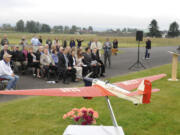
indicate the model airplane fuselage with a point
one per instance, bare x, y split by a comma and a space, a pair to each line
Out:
118, 91
137, 97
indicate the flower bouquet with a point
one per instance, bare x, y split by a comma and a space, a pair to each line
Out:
83, 116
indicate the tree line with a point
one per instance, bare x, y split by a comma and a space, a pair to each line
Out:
36, 27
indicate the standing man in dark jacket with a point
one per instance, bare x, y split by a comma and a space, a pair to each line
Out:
72, 43
49, 42
4, 40
148, 48
79, 41
40, 40
64, 43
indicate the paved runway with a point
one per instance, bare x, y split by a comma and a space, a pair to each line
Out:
120, 65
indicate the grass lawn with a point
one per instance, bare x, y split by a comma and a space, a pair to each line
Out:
43, 115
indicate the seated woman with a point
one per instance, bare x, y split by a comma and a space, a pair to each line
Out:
78, 67
25, 52
55, 57
33, 62
79, 61
47, 62
53, 48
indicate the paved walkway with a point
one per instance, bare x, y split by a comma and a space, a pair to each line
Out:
120, 65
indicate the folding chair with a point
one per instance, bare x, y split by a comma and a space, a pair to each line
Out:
3, 83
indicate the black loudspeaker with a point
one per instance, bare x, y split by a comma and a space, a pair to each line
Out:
139, 35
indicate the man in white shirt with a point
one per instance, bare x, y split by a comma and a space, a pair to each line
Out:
35, 42
7, 73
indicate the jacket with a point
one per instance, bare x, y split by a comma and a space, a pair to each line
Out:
44, 60
5, 68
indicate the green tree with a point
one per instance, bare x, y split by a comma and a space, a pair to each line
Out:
45, 28
20, 26
58, 29
124, 30
154, 29
66, 30
173, 30
90, 29
7, 27
33, 27
30, 27
73, 29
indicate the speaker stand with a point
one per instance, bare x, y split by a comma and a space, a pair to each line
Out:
138, 63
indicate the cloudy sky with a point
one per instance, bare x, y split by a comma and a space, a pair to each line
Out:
97, 13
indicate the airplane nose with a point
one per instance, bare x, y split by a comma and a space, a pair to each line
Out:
88, 81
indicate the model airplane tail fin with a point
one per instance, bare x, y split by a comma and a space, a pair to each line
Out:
144, 92
145, 89
147, 92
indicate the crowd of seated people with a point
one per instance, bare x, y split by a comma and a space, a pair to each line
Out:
69, 63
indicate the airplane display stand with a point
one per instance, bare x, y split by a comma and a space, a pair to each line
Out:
96, 130
174, 66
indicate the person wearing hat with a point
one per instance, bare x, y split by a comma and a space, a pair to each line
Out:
7, 73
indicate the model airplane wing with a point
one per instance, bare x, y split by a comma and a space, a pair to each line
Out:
68, 92
96, 88
133, 84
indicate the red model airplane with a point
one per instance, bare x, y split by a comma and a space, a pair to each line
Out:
101, 88
96, 88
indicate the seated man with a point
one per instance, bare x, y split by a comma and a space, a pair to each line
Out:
47, 62
65, 68
5, 50
7, 73
20, 60
95, 57
91, 66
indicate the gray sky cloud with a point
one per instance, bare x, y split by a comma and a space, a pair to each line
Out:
9, 4
99, 13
